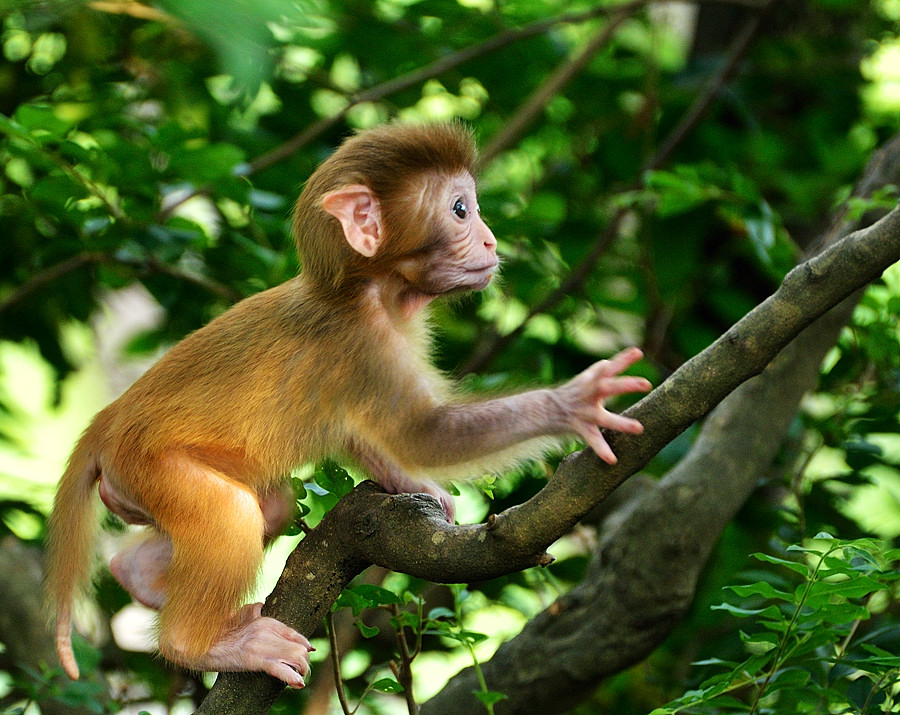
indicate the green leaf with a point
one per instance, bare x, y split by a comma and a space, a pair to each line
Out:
376, 595
207, 164
367, 631
317, 490
41, 119
760, 643
547, 207
405, 619
761, 588
768, 612
440, 612
840, 613
363, 596
848, 588
715, 661
352, 600
386, 685
790, 678
334, 479
472, 637
861, 454
444, 629
761, 232
796, 566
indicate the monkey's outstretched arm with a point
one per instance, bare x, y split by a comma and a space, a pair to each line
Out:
446, 435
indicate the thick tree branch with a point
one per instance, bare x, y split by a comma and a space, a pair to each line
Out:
644, 574
406, 533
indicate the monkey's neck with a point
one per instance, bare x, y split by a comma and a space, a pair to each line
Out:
400, 302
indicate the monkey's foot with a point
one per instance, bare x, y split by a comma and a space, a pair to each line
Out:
262, 644
442, 495
397, 482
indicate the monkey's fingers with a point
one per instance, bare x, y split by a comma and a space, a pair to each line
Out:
596, 441
289, 673
426, 486
612, 386
619, 423
621, 361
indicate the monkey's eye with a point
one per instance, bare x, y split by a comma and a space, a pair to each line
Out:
459, 208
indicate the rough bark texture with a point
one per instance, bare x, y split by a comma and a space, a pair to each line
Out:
646, 575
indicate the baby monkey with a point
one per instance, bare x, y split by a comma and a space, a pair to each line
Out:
332, 362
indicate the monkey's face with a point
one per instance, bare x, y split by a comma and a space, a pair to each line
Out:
457, 250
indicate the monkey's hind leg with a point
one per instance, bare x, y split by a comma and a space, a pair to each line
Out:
143, 568
217, 527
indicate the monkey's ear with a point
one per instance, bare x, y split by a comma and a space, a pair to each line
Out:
358, 210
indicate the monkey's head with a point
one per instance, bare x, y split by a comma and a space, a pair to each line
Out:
397, 201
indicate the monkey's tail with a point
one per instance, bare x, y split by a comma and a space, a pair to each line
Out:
71, 532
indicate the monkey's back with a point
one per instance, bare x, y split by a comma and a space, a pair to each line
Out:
247, 389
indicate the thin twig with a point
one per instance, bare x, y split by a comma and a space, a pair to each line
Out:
336, 664
493, 343
10, 128
531, 109
403, 670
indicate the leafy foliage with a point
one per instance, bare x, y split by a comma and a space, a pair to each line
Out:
805, 653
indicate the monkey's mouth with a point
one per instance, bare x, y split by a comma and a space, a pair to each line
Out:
480, 278
487, 267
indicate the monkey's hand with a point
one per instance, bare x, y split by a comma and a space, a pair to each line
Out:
258, 643
583, 400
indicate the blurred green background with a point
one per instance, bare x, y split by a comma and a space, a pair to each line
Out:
151, 154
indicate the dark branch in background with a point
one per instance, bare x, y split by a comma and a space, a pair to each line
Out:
82, 260
645, 570
406, 533
435, 69
531, 108
736, 52
23, 623
493, 343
